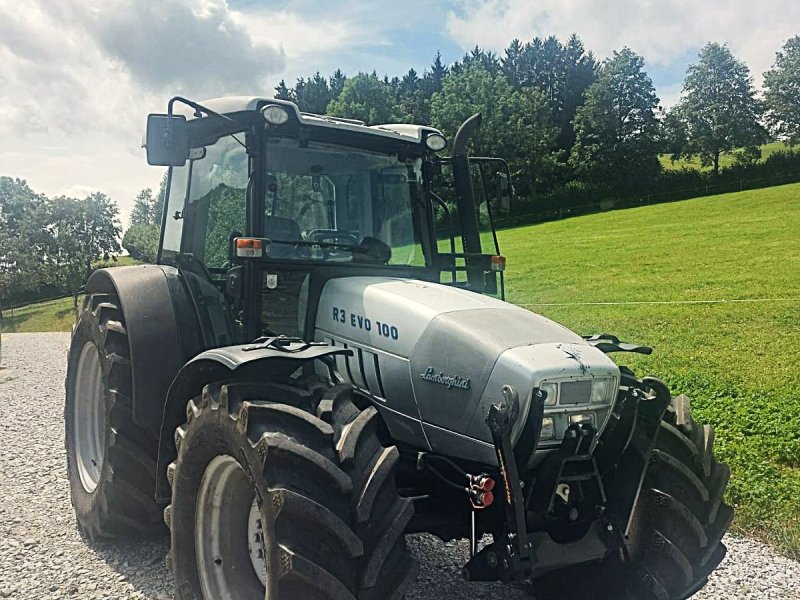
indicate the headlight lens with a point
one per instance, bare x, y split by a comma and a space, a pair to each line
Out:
602, 390
274, 114
435, 142
582, 418
548, 429
551, 391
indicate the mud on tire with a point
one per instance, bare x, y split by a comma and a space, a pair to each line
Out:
330, 521
111, 465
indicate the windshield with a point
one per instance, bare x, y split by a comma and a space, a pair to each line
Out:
327, 202
322, 203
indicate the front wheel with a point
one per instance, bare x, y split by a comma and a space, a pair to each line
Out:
679, 523
280, 493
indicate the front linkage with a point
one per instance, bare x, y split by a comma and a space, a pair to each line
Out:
576, 485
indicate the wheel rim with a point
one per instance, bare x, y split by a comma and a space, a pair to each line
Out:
228, 533
89, 417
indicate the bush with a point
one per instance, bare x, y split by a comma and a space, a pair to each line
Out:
578, 197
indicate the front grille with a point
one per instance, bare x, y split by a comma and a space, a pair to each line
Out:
575, 392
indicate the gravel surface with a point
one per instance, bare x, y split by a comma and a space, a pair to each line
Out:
43, 557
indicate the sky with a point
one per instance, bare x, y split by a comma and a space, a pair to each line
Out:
78, 77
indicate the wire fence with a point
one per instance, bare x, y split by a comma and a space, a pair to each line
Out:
644, 199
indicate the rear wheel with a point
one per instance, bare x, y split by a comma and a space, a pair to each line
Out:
111, 462
280, 492
678, 526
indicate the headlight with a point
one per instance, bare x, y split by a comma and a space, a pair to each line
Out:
274, 114
602, 390
548, 429
582, 418
551, 391
435, 141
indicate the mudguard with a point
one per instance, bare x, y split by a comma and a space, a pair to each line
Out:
257, 361
159, 341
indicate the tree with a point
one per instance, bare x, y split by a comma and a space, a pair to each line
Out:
512, 63
141, 238
414, 103
282, 92
81, 232
581, 71
141, 241
145, 208
616, 128
367, 98
336, 83
516, 123
313, 95
21, 241
479, 57
433, 78
782, 92
719, 110
561, 72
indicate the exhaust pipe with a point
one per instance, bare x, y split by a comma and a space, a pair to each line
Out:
467, 210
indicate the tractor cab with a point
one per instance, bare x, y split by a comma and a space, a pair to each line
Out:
265, 204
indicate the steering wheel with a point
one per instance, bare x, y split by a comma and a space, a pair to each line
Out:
332, 236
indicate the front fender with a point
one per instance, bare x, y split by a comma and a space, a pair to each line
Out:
220, 364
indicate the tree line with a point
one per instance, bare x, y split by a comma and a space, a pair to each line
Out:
562, 117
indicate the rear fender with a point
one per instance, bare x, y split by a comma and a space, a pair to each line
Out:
220, 364
161, 328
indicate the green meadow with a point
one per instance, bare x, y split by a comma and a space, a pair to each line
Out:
645, 274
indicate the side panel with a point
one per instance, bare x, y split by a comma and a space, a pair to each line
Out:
158, 350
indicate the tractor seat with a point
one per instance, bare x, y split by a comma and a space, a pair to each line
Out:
284, 230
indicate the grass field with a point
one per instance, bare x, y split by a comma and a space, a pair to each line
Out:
55, 315
739, 360
725, 160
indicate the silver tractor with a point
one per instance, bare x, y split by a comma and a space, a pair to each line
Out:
321, 361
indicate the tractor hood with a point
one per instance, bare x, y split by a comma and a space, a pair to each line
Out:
435, 358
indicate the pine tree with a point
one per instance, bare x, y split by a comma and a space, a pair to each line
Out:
336, 83
282, 92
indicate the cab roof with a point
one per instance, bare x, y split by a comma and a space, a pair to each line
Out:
233, 104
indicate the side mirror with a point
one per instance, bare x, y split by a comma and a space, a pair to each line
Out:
504, 192
167, 140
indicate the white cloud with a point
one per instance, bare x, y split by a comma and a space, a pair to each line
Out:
197, 47
78, 77
661, 31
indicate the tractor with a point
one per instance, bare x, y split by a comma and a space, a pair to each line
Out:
321, 361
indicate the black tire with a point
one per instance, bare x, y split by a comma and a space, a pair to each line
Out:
333, 520
678, 525
122, 504
683, 515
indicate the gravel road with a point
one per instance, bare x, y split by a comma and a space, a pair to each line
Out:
43, 557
